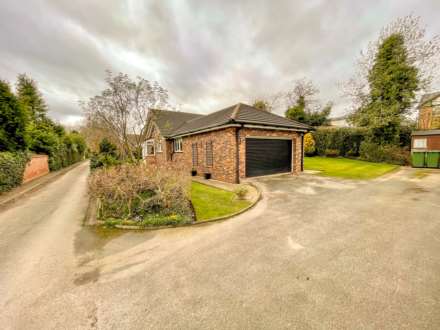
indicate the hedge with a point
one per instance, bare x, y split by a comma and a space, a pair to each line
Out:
341, 141
356, 142
12, 166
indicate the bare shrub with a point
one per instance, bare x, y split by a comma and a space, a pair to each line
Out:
241, 192
133, 191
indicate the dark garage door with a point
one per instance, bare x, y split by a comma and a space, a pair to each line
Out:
268, 156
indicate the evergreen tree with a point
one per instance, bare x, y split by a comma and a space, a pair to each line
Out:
299, 113
13, 121
31, 98
393, 83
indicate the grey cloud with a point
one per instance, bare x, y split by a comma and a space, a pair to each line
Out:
208, 54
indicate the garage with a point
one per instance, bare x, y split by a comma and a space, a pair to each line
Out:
268, 156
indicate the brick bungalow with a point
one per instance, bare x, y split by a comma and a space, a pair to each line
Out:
427, 135
234, 143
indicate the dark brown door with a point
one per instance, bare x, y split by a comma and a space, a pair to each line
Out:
268, 156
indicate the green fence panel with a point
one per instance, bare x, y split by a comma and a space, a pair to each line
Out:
418, 159
432, 159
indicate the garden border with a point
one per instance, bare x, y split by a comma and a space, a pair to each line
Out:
91, 215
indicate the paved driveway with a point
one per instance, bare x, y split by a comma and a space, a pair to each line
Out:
315, 253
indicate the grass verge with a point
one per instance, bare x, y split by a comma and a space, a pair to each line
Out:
347, 168
210, 202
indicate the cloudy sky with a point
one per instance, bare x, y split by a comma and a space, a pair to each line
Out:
208, 54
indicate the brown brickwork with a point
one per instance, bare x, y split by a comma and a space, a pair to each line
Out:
249, 133
36, 167
224, 151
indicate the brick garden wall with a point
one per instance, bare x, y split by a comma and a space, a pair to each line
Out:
36, 167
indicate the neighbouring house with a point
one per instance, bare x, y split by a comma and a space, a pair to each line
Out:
426, 139
231, 144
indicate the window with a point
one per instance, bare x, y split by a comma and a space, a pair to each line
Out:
178, 145
148, 148
159, 146
420, 143
195, 155
209, 155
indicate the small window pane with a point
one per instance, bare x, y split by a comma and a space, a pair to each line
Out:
178, 145
148, 148
420, 143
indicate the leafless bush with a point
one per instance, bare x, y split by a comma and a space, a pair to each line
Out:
131, 191
241, 192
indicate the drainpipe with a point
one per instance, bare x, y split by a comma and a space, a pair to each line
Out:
302, 152
237, 153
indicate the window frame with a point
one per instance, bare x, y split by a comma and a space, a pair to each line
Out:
424, 140
195, 154
159, 146
146, 145
178, 145
209, 154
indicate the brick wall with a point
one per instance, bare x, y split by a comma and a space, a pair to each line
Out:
425, 118
224, 152
36, 167
248, 133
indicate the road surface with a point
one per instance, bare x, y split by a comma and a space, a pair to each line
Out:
315, 253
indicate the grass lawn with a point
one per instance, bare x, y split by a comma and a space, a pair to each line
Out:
347, 168
210, 202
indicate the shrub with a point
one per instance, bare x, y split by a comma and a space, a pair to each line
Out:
12, 166
331, 153
392, 154
103, 160
63, 149
106, 157
309, 144
241, 192
136, 192
346, 140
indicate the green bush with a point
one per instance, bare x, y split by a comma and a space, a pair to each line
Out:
107, 156
12, 166
103, 160
63, 149
309, 144
332, 153
346, 140
391, 154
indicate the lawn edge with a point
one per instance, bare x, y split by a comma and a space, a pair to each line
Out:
91, 217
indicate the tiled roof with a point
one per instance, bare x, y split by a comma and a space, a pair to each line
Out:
170, 121
237, 114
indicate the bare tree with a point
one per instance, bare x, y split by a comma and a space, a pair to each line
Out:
302, 89
122, 109
262, 104
423, 53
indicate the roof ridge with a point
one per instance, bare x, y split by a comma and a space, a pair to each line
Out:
275, 115
176, 111
235, 111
